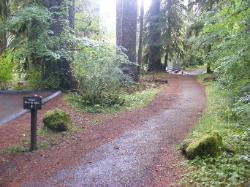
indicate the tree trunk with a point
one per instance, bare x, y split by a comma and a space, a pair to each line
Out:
168, 41
126, 32
166, 60
54, 6
129, 28
119, 15
154, 45
72, 15
62, 68
209, 70
140, 49
3, 16
3, 42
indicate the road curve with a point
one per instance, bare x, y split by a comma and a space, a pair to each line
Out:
145, 156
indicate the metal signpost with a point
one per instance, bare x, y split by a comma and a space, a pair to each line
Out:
33, 103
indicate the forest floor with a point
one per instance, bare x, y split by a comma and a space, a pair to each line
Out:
136, 148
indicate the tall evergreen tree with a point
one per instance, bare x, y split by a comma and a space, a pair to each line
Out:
63, 19
172, 29
141, 36
126, 32
197, 8
153, 42
119, 17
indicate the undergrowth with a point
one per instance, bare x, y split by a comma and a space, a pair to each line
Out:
232, 167
194, 67
131, 101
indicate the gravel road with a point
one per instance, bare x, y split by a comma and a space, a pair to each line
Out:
145, 155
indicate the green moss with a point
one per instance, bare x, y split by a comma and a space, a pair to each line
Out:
209, 144
57, 120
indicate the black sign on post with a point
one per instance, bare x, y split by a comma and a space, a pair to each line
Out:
33, 103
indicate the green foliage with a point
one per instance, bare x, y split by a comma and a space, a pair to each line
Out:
97, 70
224, 44
39, 43
140, 99
232, 167
36, 80
227, 33
87, 19
15, 149
6, 69
57, 120
30, 26
131, 101
29, 43
172, 20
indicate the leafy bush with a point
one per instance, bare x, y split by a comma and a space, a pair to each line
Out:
57, 120
97, 70
36, 46
36, 81
224, 44
32, 24
131, 101
6, 69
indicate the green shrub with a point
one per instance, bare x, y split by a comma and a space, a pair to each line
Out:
241, 110
131, 101
6, 69
36, 80
207, 145
97, 70
57, 120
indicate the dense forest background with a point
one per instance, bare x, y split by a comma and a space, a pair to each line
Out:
45, 42
61, 44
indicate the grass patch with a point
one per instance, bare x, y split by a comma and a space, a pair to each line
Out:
232, 167
50, 138
195, 67
131, 101
13, 149
46, 138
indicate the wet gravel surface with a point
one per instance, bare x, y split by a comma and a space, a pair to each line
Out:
137, 148
129, 159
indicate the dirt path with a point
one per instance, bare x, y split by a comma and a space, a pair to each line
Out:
133, 149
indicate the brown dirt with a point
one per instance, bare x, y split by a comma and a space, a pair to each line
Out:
183, 100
